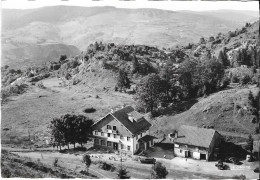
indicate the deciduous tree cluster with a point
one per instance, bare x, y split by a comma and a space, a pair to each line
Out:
70, 129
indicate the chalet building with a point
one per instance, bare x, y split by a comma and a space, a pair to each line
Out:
123, 130
197, 143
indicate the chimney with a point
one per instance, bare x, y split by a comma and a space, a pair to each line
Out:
176, 134
130, 117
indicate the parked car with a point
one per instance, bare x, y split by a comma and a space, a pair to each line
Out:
222, 166
234, 160
256, 170
148, 160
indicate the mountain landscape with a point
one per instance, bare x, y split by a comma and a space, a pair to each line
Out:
174, 67
35, 35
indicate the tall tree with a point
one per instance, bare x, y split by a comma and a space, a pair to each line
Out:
222, 57
159, 171
84, 129
123, 81
148, 91
135, 65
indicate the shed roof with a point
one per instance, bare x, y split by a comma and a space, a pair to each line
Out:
146, 138
195, 136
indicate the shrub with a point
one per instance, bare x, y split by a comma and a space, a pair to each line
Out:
159, 171
245, 79
13, 90
242, 176
40, 85
234, 79
107, 167
55, 162
90, 110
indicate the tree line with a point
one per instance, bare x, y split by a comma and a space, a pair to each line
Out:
193, 79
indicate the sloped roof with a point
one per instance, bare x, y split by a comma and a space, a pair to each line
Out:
146, 138
134, 127
195, 136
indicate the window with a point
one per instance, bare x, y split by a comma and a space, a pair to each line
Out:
109, 127
109, 143
128, 148
180, 151
114, 128
114, 135
102, 142
108, 134
121, 137
102, 134
122, 146
96, 132
136, 136
141, 135
136, 146
152, 142
96, 141
128, 138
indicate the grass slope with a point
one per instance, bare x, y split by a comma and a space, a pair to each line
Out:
217, 110
15, 166
33, 111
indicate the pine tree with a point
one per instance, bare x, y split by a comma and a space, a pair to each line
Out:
222, 57
251, 99
135, 66
123, 81
250, 143
122, 173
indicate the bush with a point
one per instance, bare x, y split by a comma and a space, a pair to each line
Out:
245, 79
234, 79
89, 110
40, 85
159, 171
242, 176
107, 167
13, 90
55, 162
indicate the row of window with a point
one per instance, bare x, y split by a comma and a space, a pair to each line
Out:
109, 144
114, 135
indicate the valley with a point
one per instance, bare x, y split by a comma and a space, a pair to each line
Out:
100, 82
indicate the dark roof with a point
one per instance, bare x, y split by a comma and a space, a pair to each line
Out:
136, 115
195, 136
146, 138
134, 127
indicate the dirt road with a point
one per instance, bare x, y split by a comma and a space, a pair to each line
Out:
135, 168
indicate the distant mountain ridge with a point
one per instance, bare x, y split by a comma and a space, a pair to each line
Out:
80, 26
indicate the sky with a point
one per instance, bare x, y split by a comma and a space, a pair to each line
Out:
167, 5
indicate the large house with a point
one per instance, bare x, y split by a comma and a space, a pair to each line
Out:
197, 143
123, 130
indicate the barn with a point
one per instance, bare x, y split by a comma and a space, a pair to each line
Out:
197, 143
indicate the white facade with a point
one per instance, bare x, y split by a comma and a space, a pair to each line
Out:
128, 144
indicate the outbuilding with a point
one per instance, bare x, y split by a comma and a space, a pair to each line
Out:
197, 143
